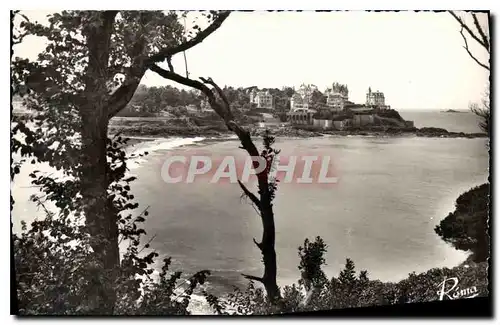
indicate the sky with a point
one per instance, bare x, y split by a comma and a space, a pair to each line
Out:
416, 59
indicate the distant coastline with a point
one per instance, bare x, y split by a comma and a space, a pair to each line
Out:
373, 123
153, 132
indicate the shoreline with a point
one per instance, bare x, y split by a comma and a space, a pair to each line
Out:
150, 130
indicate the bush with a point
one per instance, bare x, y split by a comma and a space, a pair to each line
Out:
432, 131
56, 273
307, 127
390, 113
351, 289
54, 277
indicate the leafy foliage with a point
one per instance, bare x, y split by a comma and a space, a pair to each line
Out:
148, 101
483, 112
56, 269
69, 262
311, 260
318, 100
348, 275
269, 154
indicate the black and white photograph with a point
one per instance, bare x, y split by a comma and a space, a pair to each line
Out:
235, 163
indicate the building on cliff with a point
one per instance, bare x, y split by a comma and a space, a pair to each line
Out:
300, 111
335, 101
301, 99
298, 102
337, 97
376, 99
263, 99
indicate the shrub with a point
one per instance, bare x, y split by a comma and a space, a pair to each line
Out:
466, 228
56, 271
351, 289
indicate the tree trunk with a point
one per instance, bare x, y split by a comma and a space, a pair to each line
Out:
101, 219
269, 254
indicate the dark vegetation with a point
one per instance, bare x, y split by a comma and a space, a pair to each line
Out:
150, 101
154, 101
466, 228
390, 113
88, 54
351, 289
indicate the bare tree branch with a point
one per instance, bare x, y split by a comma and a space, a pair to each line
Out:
200, 37
222, 108
252, 277
481, 32
254, 207
171, 75
18, 13
217, 88
466, 47
259, 245
186, 64
147, 244
169, 62
247, 192
223, 111
18, 39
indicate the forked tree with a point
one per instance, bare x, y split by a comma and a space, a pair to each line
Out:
266, 184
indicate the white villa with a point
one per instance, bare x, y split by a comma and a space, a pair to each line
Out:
375, 98
302, 98
335, 101
300, 111
263, 99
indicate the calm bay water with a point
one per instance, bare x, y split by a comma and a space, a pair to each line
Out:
391, 194
463, 121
